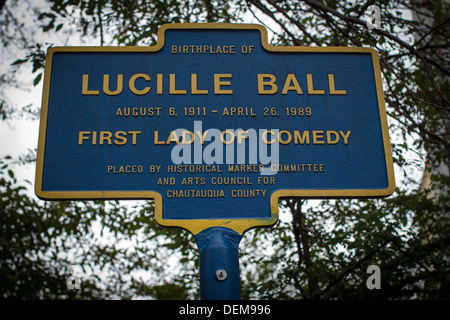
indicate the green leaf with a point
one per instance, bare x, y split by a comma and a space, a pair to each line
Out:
37, 79
19, 61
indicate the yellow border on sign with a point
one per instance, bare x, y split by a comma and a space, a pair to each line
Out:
196, 226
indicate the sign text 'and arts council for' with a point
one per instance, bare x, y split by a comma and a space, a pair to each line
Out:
214, 124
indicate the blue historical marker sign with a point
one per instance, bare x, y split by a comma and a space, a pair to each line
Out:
213, 124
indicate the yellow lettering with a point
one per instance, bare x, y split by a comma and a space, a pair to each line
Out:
301, 139
202, 136
222, 137
345, 136
106, 85
289, 137
81, 137
311, 89
336, 137
218, 83
120, 138
240, 136
133, 136
264, 137
194, 89
332, 87
105, 135
85, 85
132, 81
316, 136
156, 141
159, 83
172, 138
172, 89
271, 82
183, 137
295, 86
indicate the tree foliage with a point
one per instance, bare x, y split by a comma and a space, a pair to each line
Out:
318, 250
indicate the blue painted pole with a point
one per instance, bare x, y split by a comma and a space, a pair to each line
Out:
219, 264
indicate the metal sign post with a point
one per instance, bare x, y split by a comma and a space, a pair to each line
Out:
215, 125
219, 264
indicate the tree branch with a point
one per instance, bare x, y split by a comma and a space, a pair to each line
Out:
266, 11
303, 244
100, 22
431, 31
295, 22
352, 20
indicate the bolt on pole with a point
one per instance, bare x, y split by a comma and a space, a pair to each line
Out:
219, 264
